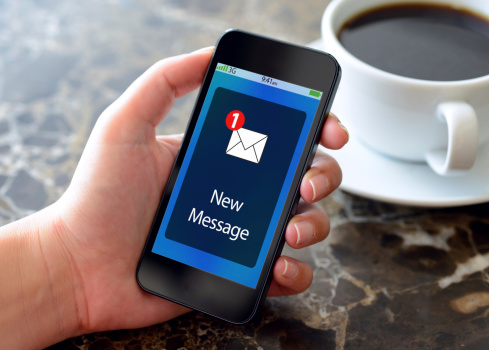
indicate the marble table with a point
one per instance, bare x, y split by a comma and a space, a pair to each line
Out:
388, 277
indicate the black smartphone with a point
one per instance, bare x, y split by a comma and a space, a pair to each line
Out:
234, 186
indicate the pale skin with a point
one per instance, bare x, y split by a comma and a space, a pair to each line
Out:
70, 268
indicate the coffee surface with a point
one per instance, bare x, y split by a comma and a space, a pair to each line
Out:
420, 41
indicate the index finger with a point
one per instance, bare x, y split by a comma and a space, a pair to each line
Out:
334, 134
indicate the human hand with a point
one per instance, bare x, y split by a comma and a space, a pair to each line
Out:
103, 219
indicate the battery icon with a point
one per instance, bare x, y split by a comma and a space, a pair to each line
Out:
222, 67
314, 93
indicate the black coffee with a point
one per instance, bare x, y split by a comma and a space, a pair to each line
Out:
421, 41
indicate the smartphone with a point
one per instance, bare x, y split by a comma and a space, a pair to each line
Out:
253, 132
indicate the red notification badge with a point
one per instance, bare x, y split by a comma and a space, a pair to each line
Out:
235, 120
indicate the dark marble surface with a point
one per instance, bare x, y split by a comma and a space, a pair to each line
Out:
388, 277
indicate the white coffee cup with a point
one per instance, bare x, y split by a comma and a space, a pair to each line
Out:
441, 123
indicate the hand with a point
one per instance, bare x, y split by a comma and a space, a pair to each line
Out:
107, 212
98, 228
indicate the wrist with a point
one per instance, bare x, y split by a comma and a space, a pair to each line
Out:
39, 286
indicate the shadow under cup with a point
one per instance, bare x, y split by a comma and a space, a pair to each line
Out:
415, 82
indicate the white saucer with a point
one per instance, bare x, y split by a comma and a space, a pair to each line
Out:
369, 174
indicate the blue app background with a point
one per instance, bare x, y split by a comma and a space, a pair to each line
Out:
257, 186
213, 258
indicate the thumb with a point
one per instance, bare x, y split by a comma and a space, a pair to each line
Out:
149, 98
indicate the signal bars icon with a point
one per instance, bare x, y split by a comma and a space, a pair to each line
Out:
222, 67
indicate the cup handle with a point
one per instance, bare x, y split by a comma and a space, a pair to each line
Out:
463, 140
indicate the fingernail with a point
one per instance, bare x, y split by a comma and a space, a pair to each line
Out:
319, 184
291, 270
305, 232
204, 49
340, 124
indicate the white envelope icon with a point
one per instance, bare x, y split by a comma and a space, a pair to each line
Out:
247, 145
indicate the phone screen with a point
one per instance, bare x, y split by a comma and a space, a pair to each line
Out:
233, 182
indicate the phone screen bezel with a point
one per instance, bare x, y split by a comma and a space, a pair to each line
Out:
199, 289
